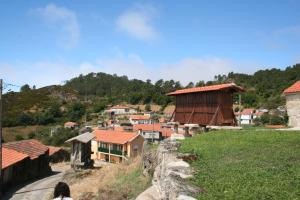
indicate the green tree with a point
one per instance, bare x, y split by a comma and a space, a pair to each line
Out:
75, 111
25, 88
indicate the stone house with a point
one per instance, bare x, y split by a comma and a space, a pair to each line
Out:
292, 95
81, 150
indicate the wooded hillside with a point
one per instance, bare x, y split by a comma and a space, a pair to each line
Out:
93, 92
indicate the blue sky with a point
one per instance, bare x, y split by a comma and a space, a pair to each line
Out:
47, 42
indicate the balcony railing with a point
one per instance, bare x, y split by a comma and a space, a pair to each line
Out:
117, 152
112, 151
101, 149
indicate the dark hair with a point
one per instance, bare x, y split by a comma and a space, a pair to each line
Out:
61, 190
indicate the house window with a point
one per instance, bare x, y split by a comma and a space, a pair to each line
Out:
117, 147
103, 145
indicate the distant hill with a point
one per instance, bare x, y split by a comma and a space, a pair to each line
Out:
33, 101
265, 87
97, 90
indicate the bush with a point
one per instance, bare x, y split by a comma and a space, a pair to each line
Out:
270, 119
75, 111
19, 137
58, 138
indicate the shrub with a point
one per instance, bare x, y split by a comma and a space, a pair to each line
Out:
19, 137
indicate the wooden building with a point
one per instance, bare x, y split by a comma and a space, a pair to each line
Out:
38, 154
15, 167
208, 105
81, 150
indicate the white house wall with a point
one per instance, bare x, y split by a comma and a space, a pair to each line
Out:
293, 109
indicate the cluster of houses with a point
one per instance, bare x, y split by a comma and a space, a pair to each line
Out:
128, 130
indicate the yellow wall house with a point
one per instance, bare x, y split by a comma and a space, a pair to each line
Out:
116, 146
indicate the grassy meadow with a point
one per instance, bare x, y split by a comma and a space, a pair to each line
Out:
246, 164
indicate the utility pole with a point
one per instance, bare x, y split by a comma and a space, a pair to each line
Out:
1, 87
240, 107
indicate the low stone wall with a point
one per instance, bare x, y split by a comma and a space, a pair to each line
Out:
170, 174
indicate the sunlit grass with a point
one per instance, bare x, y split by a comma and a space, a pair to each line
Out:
249, 164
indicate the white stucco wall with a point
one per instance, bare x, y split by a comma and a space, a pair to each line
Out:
293, 109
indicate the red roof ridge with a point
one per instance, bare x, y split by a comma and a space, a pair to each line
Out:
208, 88
11, 156
293, 88
115, 137
33, 148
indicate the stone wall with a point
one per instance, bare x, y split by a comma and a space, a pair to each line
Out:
170, 175
293, 109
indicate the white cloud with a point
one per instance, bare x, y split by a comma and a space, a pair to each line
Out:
137, 22
64, 20
196, 69
131, 65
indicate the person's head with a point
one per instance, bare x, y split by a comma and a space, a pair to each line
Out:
61, 190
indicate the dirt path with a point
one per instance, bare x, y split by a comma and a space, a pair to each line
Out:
41, 189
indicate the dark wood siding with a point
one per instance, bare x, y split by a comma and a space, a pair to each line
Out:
205, 108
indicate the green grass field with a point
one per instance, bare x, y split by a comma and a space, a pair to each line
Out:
247, 164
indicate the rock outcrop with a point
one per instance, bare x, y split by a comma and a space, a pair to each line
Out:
170, 174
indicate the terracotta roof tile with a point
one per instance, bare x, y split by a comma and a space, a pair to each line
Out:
147, 127
10, 157
139, 117
115, 137
208, 88
248, 111
166, 132
294, 88
32, 148
53, 150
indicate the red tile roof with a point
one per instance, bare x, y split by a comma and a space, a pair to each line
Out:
259, 114
166, 132
248, 111
294, 88
10, 157
53, 150
147, 127
115, 137
140, 117
32, 148
208, 88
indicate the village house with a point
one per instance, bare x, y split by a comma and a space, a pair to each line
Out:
292, 95
38, 154
71, 125
208, 105
15, 167
81, 150
247, 116
121, 110
116, 146
140, 119
153, 132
